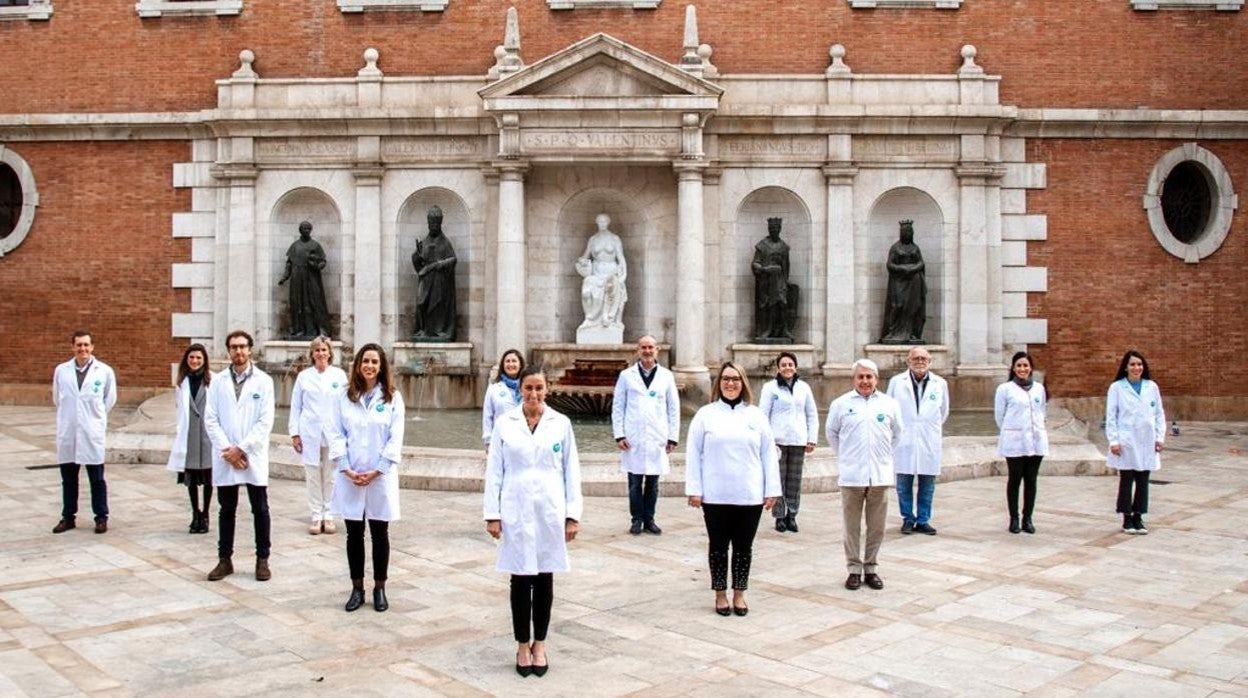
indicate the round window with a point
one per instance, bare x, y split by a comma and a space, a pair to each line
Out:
10, 200
18, 199
1186, 200
1190, 201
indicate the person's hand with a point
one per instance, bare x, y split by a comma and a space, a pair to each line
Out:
1117, 450
1157, 446
570, 528
622, 444
235, 457
494, 528
769, 502
695, 502
297, 442
810, 448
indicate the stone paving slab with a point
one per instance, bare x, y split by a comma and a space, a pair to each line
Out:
1078, 609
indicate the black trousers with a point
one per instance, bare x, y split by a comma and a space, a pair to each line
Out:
1023, 469
1137, 480
736, 525
258, 496
532, 596
643, 496
379, 531
195, 481
69, 491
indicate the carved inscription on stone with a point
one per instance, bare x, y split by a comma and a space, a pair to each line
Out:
772, 147
417, 148
304, 149
599, 141
905, 148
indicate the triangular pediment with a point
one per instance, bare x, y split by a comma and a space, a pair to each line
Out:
600, 66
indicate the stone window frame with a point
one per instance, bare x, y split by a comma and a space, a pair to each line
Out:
30, 200
1222, 208
36, 9
905, 4
184, 8
1220, 5
351, 6
600, 4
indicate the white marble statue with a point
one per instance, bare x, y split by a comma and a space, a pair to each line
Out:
603, 293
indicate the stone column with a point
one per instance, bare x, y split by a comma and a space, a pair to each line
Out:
690, 349
973, 272
363, 322
509, 329
240, 249
841, 348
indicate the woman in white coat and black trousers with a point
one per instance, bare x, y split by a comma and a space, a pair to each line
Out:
790, 408
312, 401
532, 504
503, 395
367, 447
190, 455
1019, 408
1135, 425
732, 474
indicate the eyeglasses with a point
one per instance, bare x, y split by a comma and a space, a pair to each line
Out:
729, 379
238, 347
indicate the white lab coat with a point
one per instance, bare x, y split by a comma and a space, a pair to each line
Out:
533, 485
647, 417
311, 409
730, 457
82, 415
1136, 423
245, 421
367, 435
794, 417
182, 400
1020, 417
864, 433
919, 450
498, 400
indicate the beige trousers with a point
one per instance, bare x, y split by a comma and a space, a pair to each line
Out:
854, 500
320, 484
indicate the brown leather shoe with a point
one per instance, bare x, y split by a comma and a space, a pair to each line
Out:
64, 525
224, 568
101, 527
873, 580
853, 582
262, 570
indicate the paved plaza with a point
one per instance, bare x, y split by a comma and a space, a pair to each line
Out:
1077, 609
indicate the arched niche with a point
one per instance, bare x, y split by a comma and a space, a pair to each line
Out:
576, 223
318, 208
413, 226
894, 206
750, 228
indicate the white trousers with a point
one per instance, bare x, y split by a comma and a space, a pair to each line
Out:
320, 484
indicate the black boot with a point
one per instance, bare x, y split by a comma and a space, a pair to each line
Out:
1014, 528
196, 519
1128, 526
1138, 521
356, 599
1028, 527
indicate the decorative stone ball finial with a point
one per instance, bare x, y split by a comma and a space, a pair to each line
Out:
968, 60
246, 57
371, 56
837, 54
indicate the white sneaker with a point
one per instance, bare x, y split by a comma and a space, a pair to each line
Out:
327, 526
314, 527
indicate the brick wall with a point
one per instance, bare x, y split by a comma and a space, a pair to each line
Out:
1112, 287
98, 55
98, 257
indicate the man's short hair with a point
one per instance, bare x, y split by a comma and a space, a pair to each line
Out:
238, 333
80, 333
867, 364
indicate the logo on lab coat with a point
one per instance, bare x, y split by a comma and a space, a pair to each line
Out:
1036, 400
334, 385
932, 396
557, 448
381, 407
255, 396
652, 393
879, 417
1152, 403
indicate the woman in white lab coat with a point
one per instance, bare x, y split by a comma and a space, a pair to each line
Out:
1019, 409
366, 445
311, 403
732, 474
790, 408
533, 505
503, 395
190, 456
1135, 425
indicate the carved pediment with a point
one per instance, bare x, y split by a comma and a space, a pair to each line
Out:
600, 66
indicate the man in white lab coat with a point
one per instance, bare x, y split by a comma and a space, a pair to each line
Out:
645, 417
84, 389
238, 419
924, 400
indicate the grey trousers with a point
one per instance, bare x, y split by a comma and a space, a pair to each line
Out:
791, 460
854, 501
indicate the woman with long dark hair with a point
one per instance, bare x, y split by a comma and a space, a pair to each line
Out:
367, 446
191, 454
503, 395
1135, 425
1019, 408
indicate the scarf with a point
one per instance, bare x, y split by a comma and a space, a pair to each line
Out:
512, 383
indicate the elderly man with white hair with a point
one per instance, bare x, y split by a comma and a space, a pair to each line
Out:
863, 429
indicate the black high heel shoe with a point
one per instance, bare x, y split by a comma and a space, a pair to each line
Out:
539, 670
523, 670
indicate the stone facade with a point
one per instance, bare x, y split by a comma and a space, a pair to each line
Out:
688, 149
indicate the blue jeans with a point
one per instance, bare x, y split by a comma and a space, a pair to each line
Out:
642, 499
69, 491
905, 497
